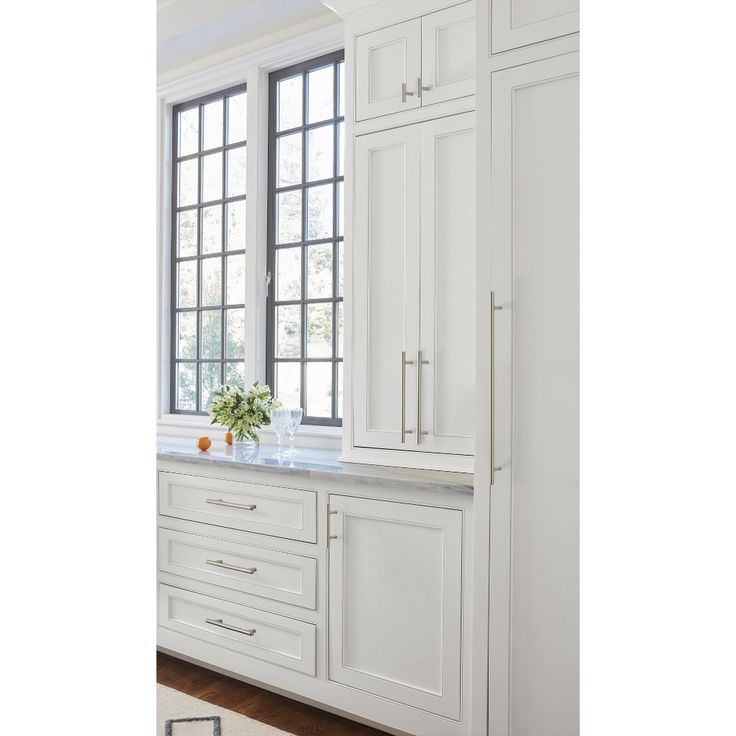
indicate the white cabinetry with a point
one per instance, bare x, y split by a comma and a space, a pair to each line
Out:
533, 201
395, 601
418, 62
413, 251
516, 23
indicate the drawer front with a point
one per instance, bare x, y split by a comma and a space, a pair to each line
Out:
250, 507
279, 576
248, 631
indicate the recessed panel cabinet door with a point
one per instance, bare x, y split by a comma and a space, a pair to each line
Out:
385, 286
535, 274
448, 54
516, 23
387, 67
447, 332
395, 601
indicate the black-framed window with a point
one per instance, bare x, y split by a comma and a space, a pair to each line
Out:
305, 237
208, 247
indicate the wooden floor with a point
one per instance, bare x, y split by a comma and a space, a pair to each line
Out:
261, 705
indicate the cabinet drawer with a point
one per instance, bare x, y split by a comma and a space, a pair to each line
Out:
250, 507
276, 575
258, 634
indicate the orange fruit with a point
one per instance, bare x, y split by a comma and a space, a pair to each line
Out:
204, 443
229, 438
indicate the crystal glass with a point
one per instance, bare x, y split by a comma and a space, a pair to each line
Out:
280, 419
295, 419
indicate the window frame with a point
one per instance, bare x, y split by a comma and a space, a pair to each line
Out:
271, 360
199, 205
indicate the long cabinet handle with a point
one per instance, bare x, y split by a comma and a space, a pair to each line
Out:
420, 87
404, 93
494, 309
420, 363
227, 566
404, 363
218, 622
232, 504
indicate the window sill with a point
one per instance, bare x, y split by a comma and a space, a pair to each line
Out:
186, 425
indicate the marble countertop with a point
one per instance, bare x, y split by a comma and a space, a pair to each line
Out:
310, 463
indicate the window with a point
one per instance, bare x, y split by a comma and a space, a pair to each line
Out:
208, 247
305, 237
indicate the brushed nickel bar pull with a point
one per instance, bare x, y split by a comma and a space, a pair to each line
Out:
420, 88
494, 308
231, 504
218, 622
404, 93
226, 566
404, 363
420, 363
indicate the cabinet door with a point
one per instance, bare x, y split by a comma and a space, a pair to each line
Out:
448, 54
395, 601
384, 61
516, 23
535, 274
447, 332
385, 285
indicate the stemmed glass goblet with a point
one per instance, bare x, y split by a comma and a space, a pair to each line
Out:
295, 419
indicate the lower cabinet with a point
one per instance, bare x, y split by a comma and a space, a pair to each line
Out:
395, 601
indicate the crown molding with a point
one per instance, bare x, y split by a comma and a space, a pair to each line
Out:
275, 56
351, 8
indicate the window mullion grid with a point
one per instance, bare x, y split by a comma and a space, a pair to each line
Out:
304, 295
335, 157
200, 184
224, 260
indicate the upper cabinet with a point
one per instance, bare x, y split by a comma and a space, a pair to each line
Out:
419, 62
516, 23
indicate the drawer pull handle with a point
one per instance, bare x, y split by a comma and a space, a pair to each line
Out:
231, 504
226, 566
218, 622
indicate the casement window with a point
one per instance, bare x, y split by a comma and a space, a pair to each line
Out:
305, 237
208, 247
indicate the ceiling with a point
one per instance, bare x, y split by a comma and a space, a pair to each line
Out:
188, 30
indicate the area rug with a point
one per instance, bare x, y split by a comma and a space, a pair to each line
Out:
179, 714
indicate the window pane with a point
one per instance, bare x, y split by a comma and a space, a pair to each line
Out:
340, 270
187, 233
211, 282
340, 328
187, 284
319, 212
288, 331
235, 374
289, 102
186, 335
237, 117
186, 386
289, 217
236, 158
212, 229
236, 225
288, 384
212, 177
320, 84
340, 209
236, 279
213, 131
288, 274
341, 88
341, 149
289, 159
210, 380
235, 333
339, 390
187, 184
320, 150
319, 389
319, 330
211, 345
319, 271
189, 131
